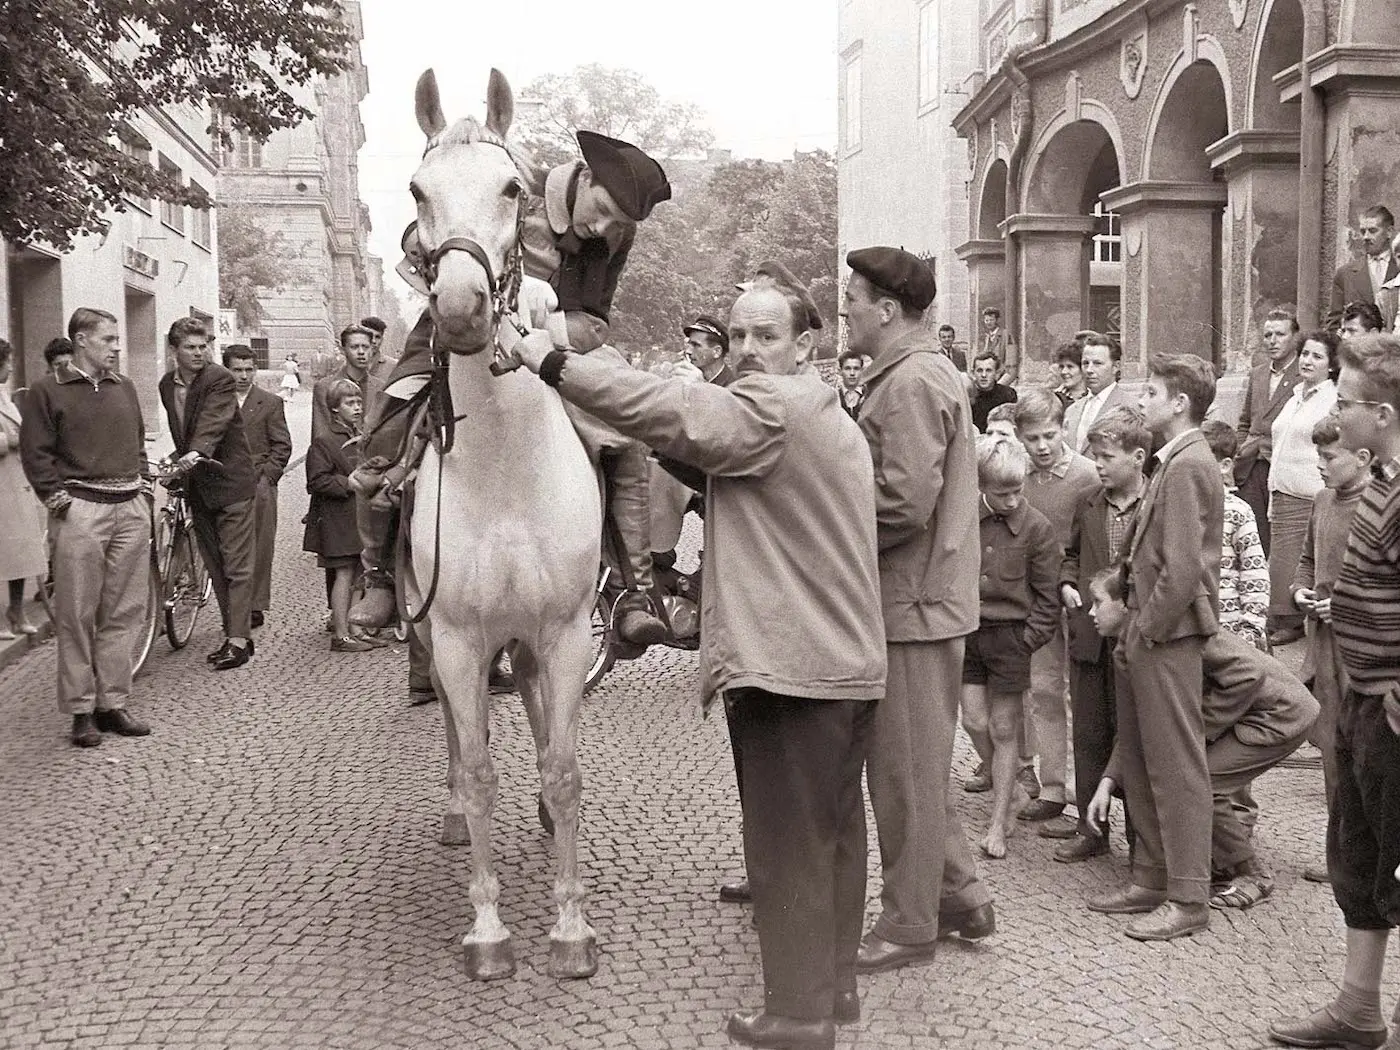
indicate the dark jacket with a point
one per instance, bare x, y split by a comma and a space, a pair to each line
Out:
1086, 556
269, 440
1256, 426
330, 523
1020, 580
212, 426
1352, 284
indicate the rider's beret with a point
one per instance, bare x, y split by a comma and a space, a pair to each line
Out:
899, 274
631, 177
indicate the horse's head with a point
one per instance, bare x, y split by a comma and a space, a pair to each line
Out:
471, 193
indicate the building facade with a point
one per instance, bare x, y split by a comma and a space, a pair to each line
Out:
1173, 170
902, 170
156, 262
303, 183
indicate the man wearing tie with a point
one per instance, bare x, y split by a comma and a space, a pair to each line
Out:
1361, 280
1268, 389
1101, 362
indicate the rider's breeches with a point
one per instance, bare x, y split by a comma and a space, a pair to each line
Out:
376, 526
629, 472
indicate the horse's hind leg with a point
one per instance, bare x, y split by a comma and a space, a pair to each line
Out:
462, 670
573, 943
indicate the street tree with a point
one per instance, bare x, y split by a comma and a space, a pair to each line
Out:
616, 102
254, 261
74, 72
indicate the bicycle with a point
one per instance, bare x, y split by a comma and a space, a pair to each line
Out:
178, 567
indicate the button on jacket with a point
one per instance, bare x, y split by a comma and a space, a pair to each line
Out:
1020, 571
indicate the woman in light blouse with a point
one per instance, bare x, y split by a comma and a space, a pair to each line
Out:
1294, 475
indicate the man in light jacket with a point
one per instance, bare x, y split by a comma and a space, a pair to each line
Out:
918, 423
790, 632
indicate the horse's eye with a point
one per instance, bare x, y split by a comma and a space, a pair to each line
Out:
513, 190
417, 193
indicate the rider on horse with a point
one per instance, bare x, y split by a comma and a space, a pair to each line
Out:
576, 234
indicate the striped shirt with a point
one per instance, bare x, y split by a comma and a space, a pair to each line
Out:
1366, 597
1244, 574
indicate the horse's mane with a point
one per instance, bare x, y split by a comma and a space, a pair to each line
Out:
469, 131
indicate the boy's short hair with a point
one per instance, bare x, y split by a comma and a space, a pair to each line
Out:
1188, 374
1123, 426
1377, 358
1109, 582
1004, 413
992, 311
374, 324
1283, 313
1038, 407
354, 329
1221, 437
185, 328
1326, 434
848, 355
986, 355
56, 348
239, 352
1001, 460
339, 390
947, 328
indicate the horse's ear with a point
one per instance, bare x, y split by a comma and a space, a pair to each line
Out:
500, 104
428, 105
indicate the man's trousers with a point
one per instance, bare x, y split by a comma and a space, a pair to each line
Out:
1162, 747
1234, 766
1091, 690
101, 578
265, 544
804, 841
924, 854
227, 539
1049, 713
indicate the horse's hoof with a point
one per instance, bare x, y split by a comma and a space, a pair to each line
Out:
489, 960
455, 831
546, 821
573, 958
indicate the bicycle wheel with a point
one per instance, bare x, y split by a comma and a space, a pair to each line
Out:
146, 637
185, 582
604, 654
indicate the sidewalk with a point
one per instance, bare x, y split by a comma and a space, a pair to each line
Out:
298, 422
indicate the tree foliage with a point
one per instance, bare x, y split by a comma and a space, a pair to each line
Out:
615, 102
73, 73
253, 261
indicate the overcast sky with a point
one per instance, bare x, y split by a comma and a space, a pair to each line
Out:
763, 70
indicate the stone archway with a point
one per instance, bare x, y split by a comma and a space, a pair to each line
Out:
1192, 113
985, 254
991, 210
1278, 45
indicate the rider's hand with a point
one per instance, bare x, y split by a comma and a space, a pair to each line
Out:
537, 301
533, 349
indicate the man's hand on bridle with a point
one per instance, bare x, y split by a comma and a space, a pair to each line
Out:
530, 350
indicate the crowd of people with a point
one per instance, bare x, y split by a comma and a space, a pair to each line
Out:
933, 546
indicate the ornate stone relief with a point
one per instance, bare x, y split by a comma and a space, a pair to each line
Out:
1133, 64
1132, 239
972, 148
1020, 103
1238, 10
1073, 95
1190, 33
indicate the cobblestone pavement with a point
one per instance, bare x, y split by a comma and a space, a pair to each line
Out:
264, 871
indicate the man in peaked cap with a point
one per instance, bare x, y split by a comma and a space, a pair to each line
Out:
577, 234
918, 422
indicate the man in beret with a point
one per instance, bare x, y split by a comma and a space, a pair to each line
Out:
577, 233
918, 423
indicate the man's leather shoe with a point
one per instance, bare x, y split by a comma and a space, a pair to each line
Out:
876, 955
1026, 777
85, 732
375, 609
498, 679
1322, 1029
236, 656
1081, 848
1285, 636
1170, 920
1317, 873
636, 623
782, 1033
735, 892
1132, 900
418, 696
1041, 809
972, 924
121, 723
845, 1008
1064, 829
211, 657
257, 618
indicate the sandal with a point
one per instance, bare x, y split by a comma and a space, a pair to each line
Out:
1245, 892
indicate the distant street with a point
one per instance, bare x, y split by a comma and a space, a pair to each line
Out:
264, 871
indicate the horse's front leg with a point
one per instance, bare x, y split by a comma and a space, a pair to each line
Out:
527, 682
461, 670
562, 667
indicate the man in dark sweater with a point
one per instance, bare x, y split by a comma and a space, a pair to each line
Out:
987, 393
82, 445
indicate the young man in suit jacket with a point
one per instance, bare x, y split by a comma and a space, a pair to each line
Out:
270, 443
1173, 565
1360, 280
1268, 389
202, 408
1119, 444
1101, 362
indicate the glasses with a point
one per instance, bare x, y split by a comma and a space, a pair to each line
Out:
1348, 402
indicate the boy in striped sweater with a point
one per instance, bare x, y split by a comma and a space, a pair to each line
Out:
1363, 826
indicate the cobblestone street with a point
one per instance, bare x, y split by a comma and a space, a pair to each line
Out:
264, 871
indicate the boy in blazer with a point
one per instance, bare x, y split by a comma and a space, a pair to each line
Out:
1119, 443
1173, 566
270, 444
202, 409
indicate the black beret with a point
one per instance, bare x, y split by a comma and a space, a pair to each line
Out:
899, 274
631, 177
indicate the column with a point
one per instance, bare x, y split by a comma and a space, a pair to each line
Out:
1053, 274
986, 282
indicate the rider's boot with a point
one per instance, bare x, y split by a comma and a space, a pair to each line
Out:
631, 510
377, 527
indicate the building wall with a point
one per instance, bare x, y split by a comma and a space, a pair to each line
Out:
905, 183
304, 184
144, 270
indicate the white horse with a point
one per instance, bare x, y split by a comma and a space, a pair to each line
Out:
520, 516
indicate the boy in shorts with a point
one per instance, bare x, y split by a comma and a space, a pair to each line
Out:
1019, 611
